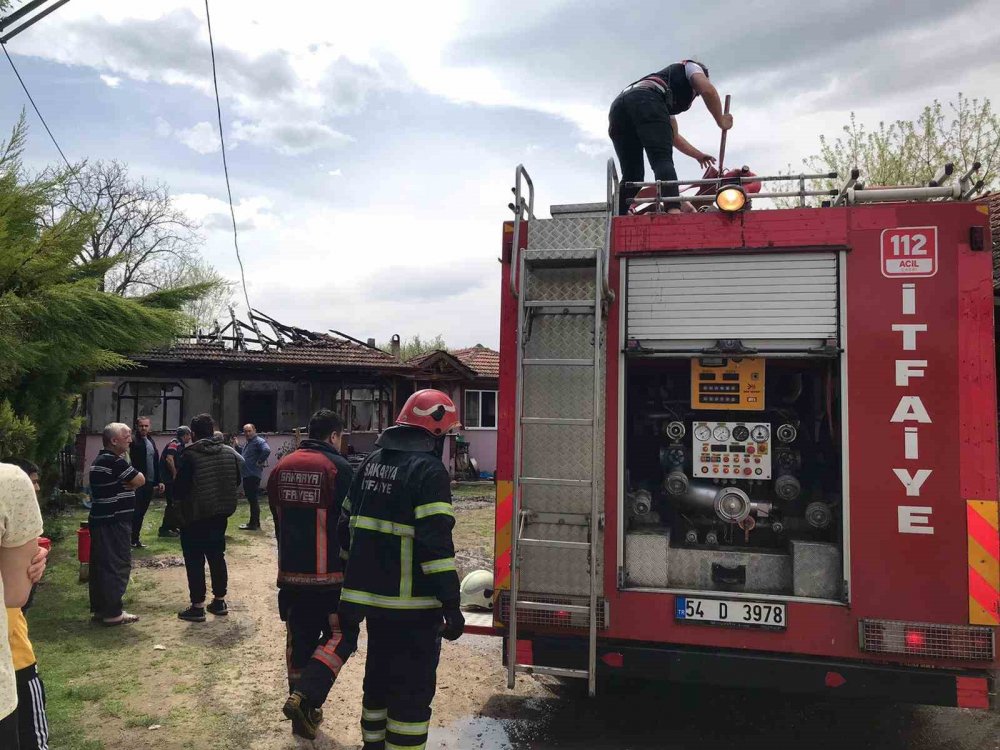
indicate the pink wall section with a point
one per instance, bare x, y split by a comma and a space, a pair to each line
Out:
483, 448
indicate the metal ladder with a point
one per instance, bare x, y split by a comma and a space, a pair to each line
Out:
548, 505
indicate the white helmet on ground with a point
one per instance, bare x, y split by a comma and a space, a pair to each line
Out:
477, 590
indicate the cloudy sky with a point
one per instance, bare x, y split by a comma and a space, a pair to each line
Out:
372, 147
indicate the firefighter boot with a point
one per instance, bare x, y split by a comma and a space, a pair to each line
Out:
305, 719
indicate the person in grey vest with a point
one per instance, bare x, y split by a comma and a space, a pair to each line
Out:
205, 492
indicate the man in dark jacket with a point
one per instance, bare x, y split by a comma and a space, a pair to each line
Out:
401, 577
306, 491
144, 456
644, 116
168, 471
205, 493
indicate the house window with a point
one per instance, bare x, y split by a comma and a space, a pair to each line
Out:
163, 403
480, 410
364, 409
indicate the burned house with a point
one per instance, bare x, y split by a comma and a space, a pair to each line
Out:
276, 380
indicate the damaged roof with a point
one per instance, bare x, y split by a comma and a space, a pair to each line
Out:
327, 351
482, 361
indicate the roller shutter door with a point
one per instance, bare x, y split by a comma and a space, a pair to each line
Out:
782, 302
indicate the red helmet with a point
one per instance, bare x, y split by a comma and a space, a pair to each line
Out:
429, 410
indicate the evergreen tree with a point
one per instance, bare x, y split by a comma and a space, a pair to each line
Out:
57, 328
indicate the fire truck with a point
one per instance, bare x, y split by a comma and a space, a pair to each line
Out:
751, 447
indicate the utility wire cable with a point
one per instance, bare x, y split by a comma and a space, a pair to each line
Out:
225, 165
35, 106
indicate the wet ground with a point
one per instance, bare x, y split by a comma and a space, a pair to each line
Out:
632, 716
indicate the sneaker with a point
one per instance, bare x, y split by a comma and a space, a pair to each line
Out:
168, 533
192, 614
305, 720
249, 527
218, 608
138, 545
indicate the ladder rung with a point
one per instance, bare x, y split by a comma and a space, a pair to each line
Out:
553, 482
550, 607
556, 420
589, 303
554, 543
553, 671
566, 519
560, 362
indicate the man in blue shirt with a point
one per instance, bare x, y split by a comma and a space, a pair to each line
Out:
255, 453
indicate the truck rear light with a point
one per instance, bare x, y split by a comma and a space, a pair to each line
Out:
965, 642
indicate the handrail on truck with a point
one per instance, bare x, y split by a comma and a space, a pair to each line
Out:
613, 184
519, 207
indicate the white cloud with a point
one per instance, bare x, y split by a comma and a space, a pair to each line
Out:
594, 148
111, 81
335, 173
202, 138
254, 212
290, 138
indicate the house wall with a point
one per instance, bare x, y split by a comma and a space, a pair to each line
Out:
483, 448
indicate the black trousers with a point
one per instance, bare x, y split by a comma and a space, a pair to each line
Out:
8, 732
143, 497
251, 487
640, 119
169, 522
316, 644
32, 724
400, 680
205, 541
110, 567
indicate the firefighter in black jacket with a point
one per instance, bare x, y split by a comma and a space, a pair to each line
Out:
401, 577
305, 491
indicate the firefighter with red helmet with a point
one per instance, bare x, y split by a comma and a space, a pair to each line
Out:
396, 529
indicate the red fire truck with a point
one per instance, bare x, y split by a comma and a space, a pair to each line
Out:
752, 447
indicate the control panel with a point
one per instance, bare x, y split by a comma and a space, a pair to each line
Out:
727, 383
732, 450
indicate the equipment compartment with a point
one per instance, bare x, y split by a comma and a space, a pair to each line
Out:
730, 499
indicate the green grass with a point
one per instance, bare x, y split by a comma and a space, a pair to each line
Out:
463, 490
92, 672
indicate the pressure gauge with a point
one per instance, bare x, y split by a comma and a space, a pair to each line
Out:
760, 433
741, 433
702, 433
721, 433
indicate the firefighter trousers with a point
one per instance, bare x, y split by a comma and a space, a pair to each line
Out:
400, 679
317, 645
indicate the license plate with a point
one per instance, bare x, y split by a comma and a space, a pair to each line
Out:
736, 612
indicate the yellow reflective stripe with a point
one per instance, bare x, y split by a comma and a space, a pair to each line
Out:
371, 736
389, 602
392, 746
433, 509
374, 714
438, 566
346, 505
408, 727
405, 568
385, 527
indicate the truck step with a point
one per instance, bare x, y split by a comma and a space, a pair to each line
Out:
557, 420
550, 607
558, 305
553, 671
554, 543
559, 362
553, 482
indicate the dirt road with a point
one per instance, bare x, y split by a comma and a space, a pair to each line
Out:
221, 685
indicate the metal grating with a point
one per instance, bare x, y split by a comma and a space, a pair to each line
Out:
782, 301
537, 618
965, 642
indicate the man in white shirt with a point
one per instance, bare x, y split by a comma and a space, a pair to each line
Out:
20, 527
644, 117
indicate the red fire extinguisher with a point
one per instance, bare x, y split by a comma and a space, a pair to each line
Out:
83, 550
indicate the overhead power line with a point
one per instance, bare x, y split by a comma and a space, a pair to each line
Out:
225, 165
34, 106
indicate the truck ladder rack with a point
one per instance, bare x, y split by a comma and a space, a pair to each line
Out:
560, 333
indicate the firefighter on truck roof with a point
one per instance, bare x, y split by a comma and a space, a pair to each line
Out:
305, 491
644, 116
401, 575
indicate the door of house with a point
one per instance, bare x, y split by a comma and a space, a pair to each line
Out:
259, 408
